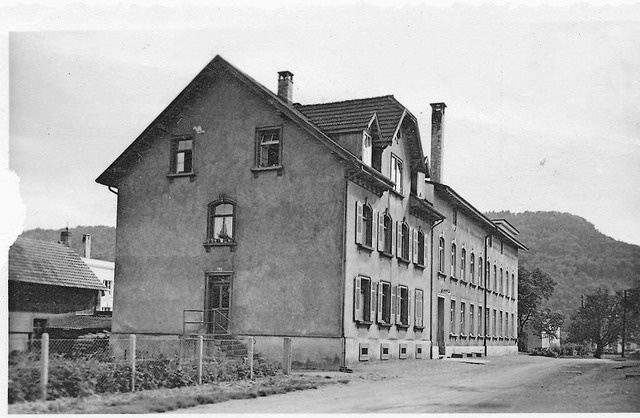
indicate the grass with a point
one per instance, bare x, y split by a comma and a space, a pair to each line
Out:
163, 400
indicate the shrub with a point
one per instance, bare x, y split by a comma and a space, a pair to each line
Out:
539, 351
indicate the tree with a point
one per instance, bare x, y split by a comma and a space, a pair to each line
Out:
546, 322
533, 288
599, 321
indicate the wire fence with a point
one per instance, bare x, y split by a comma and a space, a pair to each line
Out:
53, 368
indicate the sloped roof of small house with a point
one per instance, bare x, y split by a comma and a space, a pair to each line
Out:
354, 115
49, 263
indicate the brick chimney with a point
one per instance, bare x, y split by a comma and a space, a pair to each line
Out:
437, 146
65, 235
86, 246
285, 85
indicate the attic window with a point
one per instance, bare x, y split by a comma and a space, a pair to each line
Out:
182, 155
367, 147
268, 148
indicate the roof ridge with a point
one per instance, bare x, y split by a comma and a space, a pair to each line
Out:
345, 101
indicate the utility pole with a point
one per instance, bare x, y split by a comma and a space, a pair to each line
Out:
624, 320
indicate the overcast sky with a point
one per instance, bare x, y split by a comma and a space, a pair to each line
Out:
543, 102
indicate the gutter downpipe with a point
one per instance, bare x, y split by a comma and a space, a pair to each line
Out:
433, 226
343, 366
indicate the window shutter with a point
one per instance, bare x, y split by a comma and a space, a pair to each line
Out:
398, 239
359, 222
418, 310
374, 228
395, 317
380, 302
409, 308
372, 307
357, 314
415, 245
380, 231
426, 249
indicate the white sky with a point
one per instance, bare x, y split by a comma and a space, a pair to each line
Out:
543, 102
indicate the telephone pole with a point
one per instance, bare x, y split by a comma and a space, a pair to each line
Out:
624, 320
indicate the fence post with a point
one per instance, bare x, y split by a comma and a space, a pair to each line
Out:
286, 363
200, 355
132, 350
44, 357
252, 341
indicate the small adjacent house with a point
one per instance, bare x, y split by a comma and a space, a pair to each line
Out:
104, 271
48, 282
240, 212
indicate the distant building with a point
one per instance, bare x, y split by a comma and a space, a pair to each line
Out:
104, 270
47, 281
315, 222
531, 340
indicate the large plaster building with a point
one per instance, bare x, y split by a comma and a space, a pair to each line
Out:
269, 218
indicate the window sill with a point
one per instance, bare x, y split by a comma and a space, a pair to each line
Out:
257, 170
363, 324
454, 280
473, 285
386, 254
403, 260
419, 266
463, 336
463, 282
452, 335
191, 175
402, 326
365, 247
441, 275
384, 325
418, 327
207, 245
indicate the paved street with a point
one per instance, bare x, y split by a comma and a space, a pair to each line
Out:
496, 384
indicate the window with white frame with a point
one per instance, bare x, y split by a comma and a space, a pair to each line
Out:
495, 278
364, 296
487, 318
396, 173
480, 275
441, 255
419, 308
182, 155
494, 330
500, 283
385, 233
472, 319
221, 222
364, 224
506, 283
507, 330
513, 286
463, 317
403, 303
268, 147
403, 241
453, 260
366, 148
500, 324
514, 331
463, 262
420, 251
384, 305
480, 323
472, 268
452, 319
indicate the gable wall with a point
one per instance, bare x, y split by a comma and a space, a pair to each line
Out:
287, 262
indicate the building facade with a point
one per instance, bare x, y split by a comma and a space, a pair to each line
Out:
240, 212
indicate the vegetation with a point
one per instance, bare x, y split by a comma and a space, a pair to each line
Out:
534, 288
576, 255
598, 321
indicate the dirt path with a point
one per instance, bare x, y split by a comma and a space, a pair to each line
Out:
497, 384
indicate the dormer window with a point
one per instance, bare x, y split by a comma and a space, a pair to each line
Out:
182, 155
396, 173
367, 148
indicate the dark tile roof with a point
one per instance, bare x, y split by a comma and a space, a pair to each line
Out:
354, 115
49, 263
81, 322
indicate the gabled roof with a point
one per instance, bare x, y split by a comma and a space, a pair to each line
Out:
450, 195
49, 263
112, 175
355, 115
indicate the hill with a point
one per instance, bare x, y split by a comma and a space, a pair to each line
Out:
103, 239
578, 256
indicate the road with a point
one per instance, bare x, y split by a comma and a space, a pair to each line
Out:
513, 384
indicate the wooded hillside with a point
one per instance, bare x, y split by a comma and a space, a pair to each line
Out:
578, 256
